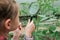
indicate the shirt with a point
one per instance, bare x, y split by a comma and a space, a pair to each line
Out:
28, 38
25, 38
2, 38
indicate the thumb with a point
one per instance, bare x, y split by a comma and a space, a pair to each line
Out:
28, 21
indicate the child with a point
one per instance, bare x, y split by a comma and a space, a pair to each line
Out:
9, 21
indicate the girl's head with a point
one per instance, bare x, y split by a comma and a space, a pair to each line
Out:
8, 15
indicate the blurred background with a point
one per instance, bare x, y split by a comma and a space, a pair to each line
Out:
46, 17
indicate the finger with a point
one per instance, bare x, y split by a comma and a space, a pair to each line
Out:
32, 22
28, 21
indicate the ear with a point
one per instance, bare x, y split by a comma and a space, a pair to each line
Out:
7, 23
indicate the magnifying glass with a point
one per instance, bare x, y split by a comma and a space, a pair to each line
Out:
33, 9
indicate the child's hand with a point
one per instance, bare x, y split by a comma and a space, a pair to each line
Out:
29, 28
17, 33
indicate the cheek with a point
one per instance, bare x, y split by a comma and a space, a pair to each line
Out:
14, 27
15, 24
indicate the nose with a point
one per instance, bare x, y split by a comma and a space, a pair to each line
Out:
19, 27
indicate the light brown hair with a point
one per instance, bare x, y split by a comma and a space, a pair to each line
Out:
8, 10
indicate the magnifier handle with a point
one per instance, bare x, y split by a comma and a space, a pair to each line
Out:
31, 19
